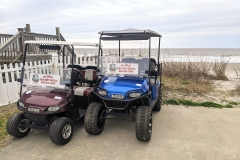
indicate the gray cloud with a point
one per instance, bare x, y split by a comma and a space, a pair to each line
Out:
182, 23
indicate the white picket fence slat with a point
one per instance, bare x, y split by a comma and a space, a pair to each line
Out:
10, 88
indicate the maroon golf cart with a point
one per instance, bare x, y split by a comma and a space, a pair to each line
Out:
51, 98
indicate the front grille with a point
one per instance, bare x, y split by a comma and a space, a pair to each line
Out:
40, 119
115, 104
117, 96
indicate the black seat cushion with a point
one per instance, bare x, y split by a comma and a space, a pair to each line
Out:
79, 67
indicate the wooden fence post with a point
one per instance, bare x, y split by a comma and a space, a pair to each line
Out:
28, 29
21, 40
59, 39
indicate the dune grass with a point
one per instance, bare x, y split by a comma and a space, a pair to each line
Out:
187, 78
192, 77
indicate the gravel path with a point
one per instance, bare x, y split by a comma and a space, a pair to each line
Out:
178, 133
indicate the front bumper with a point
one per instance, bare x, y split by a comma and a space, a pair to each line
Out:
120, 104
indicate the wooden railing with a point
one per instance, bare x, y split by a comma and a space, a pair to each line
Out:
12, 46
9, 48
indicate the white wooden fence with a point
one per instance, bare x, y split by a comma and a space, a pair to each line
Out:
10, 88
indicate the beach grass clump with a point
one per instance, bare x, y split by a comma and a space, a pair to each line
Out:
193, 77
194, 71
173, 84
188, 77
192, 103
219, 70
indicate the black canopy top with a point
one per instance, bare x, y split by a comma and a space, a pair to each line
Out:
128, 34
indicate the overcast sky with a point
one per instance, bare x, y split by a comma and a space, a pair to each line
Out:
183, 24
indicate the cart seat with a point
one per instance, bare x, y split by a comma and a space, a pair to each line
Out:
89, 76
79, 67
82, 91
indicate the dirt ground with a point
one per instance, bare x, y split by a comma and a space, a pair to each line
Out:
178, 133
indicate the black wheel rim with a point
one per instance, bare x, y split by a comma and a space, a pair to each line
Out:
21, 127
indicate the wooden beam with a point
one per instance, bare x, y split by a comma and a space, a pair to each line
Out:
40, 35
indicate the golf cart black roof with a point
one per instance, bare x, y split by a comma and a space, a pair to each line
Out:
129, 34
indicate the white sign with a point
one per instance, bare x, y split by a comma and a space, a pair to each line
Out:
122, 68
44, 79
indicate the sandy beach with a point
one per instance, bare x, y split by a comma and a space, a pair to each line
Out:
231, 70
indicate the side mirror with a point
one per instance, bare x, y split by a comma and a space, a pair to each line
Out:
19, 79
98, 70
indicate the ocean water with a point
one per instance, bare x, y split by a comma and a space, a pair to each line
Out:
232, 55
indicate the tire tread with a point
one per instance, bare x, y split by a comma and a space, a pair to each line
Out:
142, 123
56, 129
91, 119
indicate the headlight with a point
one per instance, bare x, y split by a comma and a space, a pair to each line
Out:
102, 92
134, 94
53, 108
21, 104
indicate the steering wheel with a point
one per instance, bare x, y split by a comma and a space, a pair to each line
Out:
77, 76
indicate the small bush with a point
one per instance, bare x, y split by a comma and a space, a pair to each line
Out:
219, 69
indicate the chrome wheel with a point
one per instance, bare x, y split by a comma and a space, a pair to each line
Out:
67, 130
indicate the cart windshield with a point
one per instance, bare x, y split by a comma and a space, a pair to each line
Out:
123, 66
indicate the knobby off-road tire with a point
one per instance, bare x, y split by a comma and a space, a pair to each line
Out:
144, 123
61, 131
93, 121
14, 125
158, 105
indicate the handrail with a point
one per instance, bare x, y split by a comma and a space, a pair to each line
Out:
6, 35
12, 46
10, 41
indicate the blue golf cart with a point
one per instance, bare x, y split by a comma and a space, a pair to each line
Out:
127, 85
